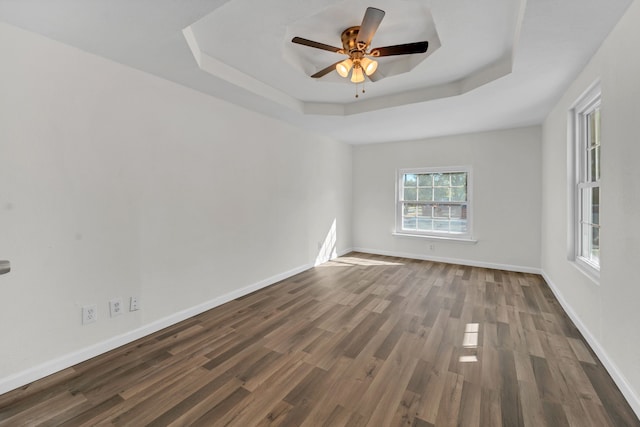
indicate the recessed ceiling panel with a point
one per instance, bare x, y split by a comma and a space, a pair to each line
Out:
253, 41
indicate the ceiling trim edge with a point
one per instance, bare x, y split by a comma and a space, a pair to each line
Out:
491, 72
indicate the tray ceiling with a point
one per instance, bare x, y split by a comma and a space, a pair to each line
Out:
494, 63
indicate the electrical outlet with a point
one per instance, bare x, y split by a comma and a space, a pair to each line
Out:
134, 304
89, 314
115, 307
432, 246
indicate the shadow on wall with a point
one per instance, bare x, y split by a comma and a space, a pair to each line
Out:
327, 250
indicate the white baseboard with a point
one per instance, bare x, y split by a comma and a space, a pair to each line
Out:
471, 263
611, 367
37, 372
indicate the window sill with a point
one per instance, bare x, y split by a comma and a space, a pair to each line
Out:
586, 269
464, 240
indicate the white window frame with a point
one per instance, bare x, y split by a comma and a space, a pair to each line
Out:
464, 237
586, 104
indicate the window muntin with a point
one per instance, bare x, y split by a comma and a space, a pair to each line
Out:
433, 202
588, 191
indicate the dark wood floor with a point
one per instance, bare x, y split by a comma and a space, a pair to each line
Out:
363, 340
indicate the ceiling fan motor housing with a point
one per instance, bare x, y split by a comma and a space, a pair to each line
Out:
350, 43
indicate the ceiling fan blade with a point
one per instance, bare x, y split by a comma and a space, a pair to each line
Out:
375, 76
370, 24
400, 49
325, 71
317, 45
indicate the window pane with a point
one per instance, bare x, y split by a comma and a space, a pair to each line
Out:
593, 145
596, 174
595, 205
441, 179
425, 194
458, 179
441, 212
409, 216
595, 245
408, 223
585, 250
440, 225
410, 194
591, 131
594, 163
456, 212
425, 224
425, 211
410, 180
585, 204
459, 194
409, 209
442, 194
425, 180
597, 125
590, 203
459, 226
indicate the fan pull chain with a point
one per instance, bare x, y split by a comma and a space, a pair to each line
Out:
357, 89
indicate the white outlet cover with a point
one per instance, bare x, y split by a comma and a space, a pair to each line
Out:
134, 304
115, 307
89, 314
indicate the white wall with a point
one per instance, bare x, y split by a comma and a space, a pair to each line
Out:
117, 183
506, 197
608, 313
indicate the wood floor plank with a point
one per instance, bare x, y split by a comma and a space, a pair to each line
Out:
259, 403
405, 413
41, 412
524, 370
231, 378
548, 389
30, 391
618, 410
214, 414
363, 340
449, 407
85, 415
470, 405
533, 414
511, 402
554, 414
197, 403
581, 351
490, 413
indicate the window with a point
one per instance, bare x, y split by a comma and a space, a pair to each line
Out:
587, 185
434, 202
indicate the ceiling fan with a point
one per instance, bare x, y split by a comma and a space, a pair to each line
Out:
355, 44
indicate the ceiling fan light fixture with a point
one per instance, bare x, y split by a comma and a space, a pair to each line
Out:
355, 44
357, 76
369, 66
344, 67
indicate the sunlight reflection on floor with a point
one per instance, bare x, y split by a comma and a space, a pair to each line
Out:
347, 261
470, 342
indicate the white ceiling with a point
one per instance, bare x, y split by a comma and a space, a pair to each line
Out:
491, 64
